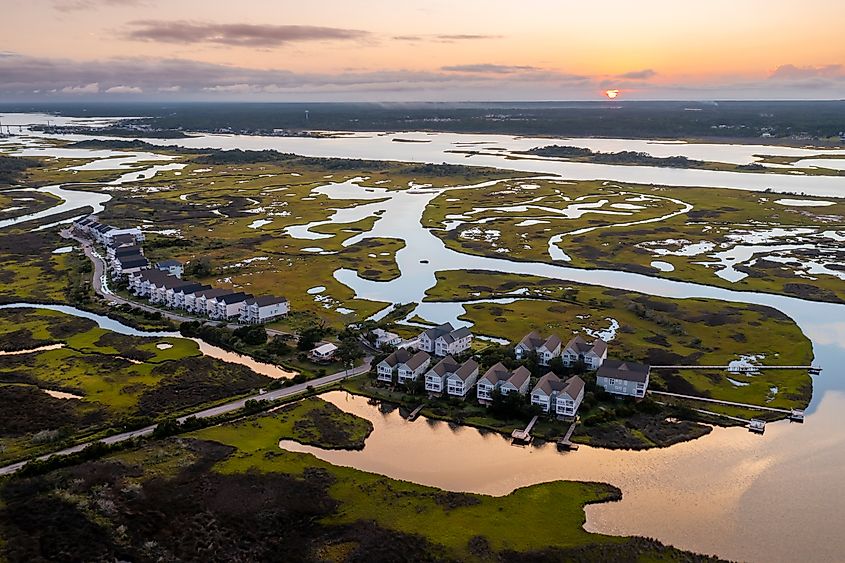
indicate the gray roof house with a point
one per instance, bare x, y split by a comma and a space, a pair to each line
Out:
624, 378
546, 348
506, 381
459, 382
593, 354
445, 340
562, 398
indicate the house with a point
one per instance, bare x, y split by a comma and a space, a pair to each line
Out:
623, 378
110, 233
570, 397
323, 353
179, 295
161, 291
385, 338
224, 307
140, 283
444, 340
172, 267
559, 397
131, 264
546, 348
197, 303
406, 366
459, 382
265, 308
506, 381
115, 252
435, 378
122, 240
592, 354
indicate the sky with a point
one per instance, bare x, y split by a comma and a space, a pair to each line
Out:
438, 50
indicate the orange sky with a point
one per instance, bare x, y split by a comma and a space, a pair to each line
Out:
379, 49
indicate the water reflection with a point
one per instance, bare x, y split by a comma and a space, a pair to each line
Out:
732, 492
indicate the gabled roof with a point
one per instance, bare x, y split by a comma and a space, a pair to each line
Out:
192, 287
135, 261
152, 276
118, 240
496, 374
168, 264
265, 300
233, 298
581, 346
445, 366
172, 282
438, 331
466, 370
549, 384
626, 371
533, 340
417, 360
462, 332
211, 293
519, 377
127, 251
573, 387
400, 356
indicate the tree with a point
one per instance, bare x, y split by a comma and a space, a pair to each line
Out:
309, 337
349, 350
278, 345
251, 334
199, 267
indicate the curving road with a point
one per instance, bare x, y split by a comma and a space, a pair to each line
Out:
286, 392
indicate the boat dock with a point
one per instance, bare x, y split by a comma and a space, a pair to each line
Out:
814, 370
524, 436
415, 413
719, 402
565, 443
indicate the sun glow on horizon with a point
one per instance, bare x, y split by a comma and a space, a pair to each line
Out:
611, 94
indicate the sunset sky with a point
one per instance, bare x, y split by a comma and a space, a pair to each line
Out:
379, 50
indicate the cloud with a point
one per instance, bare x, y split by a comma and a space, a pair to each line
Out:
242, 35
488, 68
445, 38
124, 90
643, 74
169, 88
92, 88
792, 72
80, 5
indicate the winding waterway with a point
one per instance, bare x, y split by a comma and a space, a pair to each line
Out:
778, 497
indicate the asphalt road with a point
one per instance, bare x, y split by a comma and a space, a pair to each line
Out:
213, 411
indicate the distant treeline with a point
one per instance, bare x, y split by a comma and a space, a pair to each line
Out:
731, 119
623, 157
11, 168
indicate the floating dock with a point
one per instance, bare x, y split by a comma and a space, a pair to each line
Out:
415, 413
756, 425
524, 436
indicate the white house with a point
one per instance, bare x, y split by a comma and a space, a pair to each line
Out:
323, 353
459, 382
559, 397
162, 289
225, 307
444, 340
257, 310
197, 303
126, 265
140, 283
114, 252
110, 233
593, 354
413, 367
387, 367
546, 348
386, 338
181, 294
623, 378
435, 378
172, 267
506, 381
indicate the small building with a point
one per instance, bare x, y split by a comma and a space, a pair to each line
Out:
445, 340
559, 397
506, 381
546, 348
385, 338
323, 353
265, 308
172, 267
435, 378
406, 365
629, 379
592, 354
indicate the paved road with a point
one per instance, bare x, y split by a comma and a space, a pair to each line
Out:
99, 275
213, 411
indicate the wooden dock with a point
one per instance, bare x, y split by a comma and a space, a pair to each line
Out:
524, 436
415, 413
742, 369
718, 402
565, 443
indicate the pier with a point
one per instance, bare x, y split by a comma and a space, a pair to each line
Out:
415, 413
565, 443
719, 402
815, 370
524, 436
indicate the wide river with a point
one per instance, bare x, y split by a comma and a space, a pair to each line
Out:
778, 497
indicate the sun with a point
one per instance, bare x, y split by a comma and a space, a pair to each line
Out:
611, 94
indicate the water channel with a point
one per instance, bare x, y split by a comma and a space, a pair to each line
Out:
773, 498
